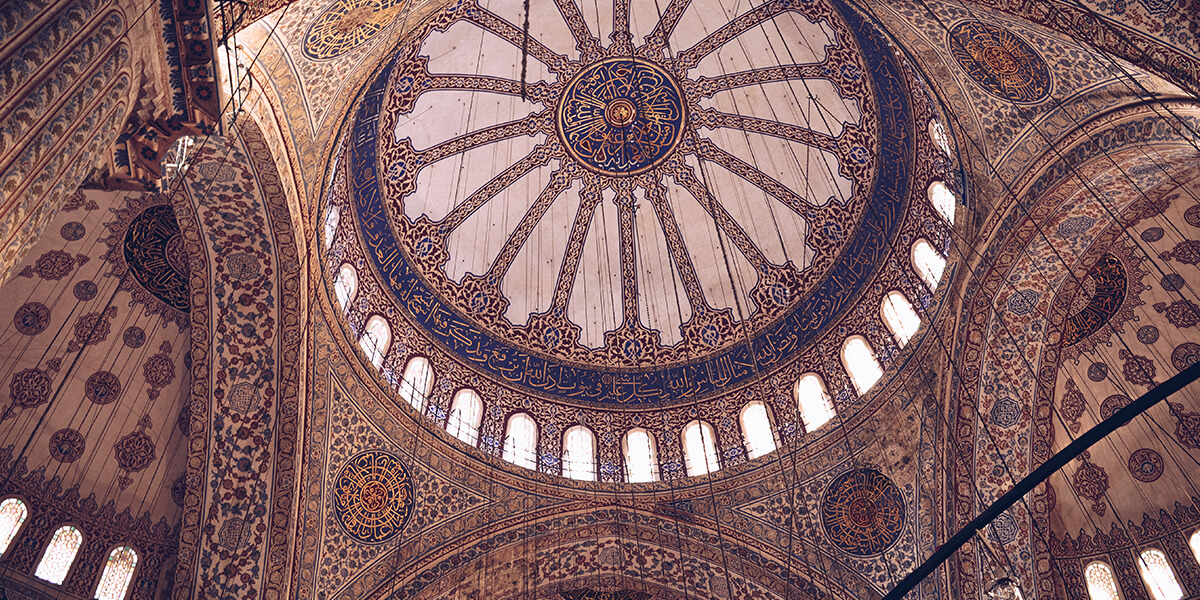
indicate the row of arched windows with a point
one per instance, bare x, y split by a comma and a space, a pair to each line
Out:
1156, 571
60, 553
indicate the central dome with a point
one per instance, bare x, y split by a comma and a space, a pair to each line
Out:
636, 222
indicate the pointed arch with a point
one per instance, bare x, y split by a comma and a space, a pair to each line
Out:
942, 199
345, 286
859, 360
118, 573
520, 441
59, 555
579, 454
757, 433
1101, 582
375, 340
816, 408
13, 513
641, 457
700, 449
1159, 577
417, 382
899, 316
928, 263
466, 413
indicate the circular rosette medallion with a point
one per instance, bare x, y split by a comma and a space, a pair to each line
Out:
863, 512
621, 116
373, 496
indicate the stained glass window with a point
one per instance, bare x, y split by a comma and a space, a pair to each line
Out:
1101, 583
520, 441
900, 318
699, 449
59, 555
943, 200
12, 514
417, 381
860, 363
376, 337
579, 454
118, 572
332, 218
816, 409
1160, 578
345, 287
466, 412
641, 461
928, 263
756, 430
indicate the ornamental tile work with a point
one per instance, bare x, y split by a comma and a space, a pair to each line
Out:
1001, 62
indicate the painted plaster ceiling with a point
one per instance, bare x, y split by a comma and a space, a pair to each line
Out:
663, 204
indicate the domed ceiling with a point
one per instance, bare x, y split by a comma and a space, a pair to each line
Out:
645, 207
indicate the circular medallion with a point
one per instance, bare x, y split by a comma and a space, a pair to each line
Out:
134, 336
1147, 334
135, 451
29, 388
147, 244
1006, 412
621, 116
1152, 234
1185, 355
373, 496
72, 231
1192, 216
66, 445
32, 318
179, 490
1145, 465
863, 512
1000, 62
1112, 404
85, 290
1097, 371
102, 388
346, 25
1172, 282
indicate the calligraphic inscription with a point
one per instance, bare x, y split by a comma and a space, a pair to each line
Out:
862, 512
1104, 290
155, 255
346, 24
1000, 62
373, 496
621, 116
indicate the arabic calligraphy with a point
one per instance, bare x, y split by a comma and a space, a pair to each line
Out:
373, 496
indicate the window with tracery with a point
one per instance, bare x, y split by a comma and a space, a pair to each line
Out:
332, 218
756, 430
12, 515
816, 408
860, 363
466, 413
641, 461
943, 200
700, 449
1160, 578
118, 572
376, 337
59, 555
579, 454
417, 382
520, 441
928, 263
900, 318
1101, 583
345, 287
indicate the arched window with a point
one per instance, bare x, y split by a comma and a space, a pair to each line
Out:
900, 318
938, 133
118, 572
579, 454
641, 461
376, 338
417, 382
1101, 583
1194, 542
59, 555
1159, 576
332, 218
756, 430
943, 200
928, 263
12, 515
699, 449
345, 287
860, 363
520, 441
816, 409
466, 412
